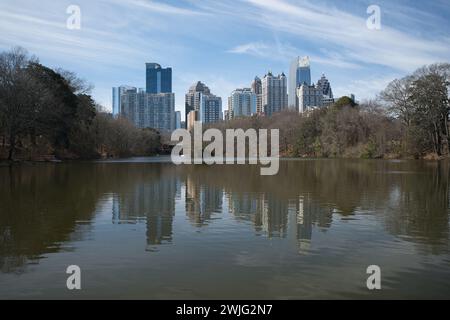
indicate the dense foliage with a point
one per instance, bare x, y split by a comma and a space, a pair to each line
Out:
47, 113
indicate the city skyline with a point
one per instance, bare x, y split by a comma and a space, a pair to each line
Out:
116, 38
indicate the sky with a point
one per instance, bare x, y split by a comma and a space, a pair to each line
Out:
226, 43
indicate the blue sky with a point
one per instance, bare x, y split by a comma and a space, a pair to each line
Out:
226, 43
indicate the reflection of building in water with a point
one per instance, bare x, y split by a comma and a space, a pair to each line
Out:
305, 214
202, 201
152, 200
268, 213
277, 216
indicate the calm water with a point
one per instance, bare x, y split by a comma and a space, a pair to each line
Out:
148, 229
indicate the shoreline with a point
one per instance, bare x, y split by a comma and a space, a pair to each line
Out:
10, 163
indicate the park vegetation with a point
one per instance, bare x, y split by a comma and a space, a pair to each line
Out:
48, 114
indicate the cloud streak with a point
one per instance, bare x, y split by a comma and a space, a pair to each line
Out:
324, 24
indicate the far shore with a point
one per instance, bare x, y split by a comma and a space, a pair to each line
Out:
4, 162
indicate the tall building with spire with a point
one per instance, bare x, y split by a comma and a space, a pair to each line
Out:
324, 85
299, 73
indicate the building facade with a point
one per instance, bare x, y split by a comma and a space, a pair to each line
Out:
117, 93
191, 118
242, 103
192, 98
158, 79
146, 110
299, 73
309, 97
210, 108
257, 89
178, 120
324, 84
327, 92
274, 93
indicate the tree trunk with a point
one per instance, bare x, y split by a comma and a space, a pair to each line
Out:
12, 146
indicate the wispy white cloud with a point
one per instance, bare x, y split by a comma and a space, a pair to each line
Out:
117, 37
322, 24
285, 52
366, 87
253, 48
155, 6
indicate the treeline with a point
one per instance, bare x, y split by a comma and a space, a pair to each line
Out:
49, 114
409, 119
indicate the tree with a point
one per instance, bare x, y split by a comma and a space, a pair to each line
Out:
344, 102
397, 95
429, 95
16, 106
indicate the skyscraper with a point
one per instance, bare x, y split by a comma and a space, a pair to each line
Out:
147, 110
274, 94
117, 93
177, 120
193, 97
210, 108
158, 80
324, 84
150, 108
257, 89
299, 73
242, 103
309, 97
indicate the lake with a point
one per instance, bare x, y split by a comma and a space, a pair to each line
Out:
144, 228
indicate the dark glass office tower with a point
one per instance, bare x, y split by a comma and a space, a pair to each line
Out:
158, 80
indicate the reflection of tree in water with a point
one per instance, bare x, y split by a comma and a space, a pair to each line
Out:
421, 207
40, 206
34, 214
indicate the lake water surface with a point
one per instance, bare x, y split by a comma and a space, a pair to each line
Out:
147, 229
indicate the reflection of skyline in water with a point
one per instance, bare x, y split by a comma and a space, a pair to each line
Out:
271, 214
204, 204
41, 209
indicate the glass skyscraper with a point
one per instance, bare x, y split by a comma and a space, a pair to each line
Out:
242, 103
299, 73
158, 80
117, 93
210, 108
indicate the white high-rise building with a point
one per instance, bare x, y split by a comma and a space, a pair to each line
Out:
147, 110
274, 93
309, 97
